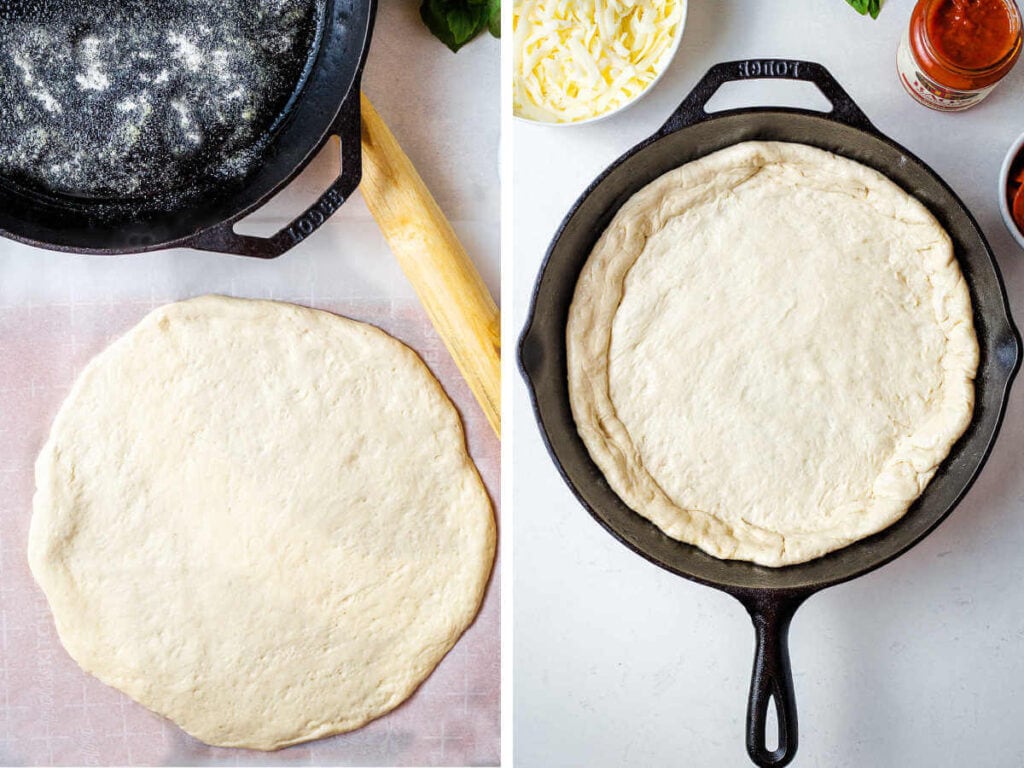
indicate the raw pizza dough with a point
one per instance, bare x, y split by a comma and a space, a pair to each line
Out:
260, 521
770, 351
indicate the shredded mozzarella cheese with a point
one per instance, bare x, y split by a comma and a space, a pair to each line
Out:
576, 59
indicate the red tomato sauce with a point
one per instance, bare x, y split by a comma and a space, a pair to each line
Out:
972, 34
1015, 191
965, 45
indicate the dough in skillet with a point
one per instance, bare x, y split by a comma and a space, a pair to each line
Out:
770, 351
260, 521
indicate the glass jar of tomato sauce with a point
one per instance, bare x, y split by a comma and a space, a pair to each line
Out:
955, 51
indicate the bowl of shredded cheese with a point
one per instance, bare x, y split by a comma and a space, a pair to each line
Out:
577, 61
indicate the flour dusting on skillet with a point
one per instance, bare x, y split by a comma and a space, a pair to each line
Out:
122, 99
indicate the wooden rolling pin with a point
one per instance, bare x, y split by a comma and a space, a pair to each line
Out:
448, 284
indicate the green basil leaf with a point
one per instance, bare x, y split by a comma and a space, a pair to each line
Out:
494, 20
465, 22
866, 7
456, 22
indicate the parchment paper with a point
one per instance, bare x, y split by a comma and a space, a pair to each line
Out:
57, 311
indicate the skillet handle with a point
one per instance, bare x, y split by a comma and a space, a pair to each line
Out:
691, 111
772, 679
223, 238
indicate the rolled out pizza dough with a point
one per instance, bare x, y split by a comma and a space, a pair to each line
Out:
770, 352
260, 521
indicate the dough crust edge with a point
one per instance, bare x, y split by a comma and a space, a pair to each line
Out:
598, 294
48, 506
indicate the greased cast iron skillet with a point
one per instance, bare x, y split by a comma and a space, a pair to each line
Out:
771, 596
325, 104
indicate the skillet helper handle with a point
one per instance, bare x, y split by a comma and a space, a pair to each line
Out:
772, 680
224, 239
691, 111
448, 284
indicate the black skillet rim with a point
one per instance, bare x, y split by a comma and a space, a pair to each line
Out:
216, 233
809, 587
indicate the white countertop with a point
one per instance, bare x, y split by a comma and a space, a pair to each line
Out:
618, 663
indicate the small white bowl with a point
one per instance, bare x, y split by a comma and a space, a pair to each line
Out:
1004, 178
622, 107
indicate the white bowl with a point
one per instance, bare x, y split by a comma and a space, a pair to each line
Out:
1004, 177
668, 63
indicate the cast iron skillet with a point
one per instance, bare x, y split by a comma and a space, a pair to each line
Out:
771, 596
325, 104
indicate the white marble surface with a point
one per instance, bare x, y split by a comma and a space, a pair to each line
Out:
921, 663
